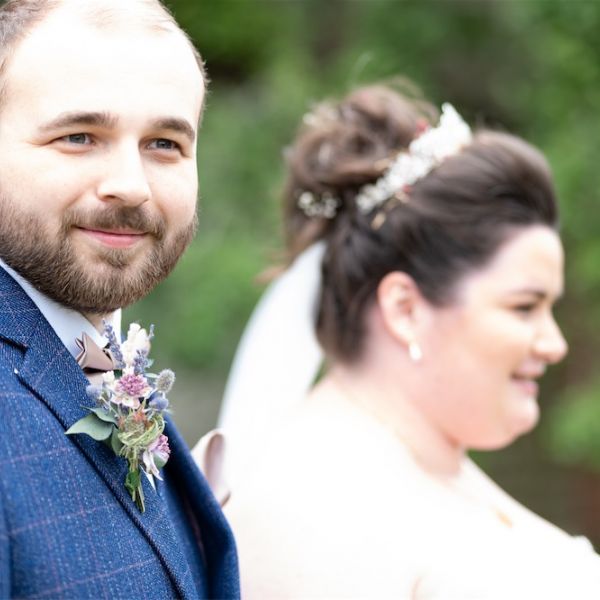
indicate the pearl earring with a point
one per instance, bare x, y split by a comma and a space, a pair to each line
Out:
414, 351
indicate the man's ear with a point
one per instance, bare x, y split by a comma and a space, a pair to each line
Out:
399, 300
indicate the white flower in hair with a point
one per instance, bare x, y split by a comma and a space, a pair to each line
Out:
325, 206
423, 154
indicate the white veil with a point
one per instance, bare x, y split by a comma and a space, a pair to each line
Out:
276, 361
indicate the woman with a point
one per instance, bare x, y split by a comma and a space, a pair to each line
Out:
441, 266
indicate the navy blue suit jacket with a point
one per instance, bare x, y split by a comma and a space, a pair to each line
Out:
68, 528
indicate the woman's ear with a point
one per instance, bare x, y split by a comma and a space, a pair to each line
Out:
399, 301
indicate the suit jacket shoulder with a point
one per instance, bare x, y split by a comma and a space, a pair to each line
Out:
67, 523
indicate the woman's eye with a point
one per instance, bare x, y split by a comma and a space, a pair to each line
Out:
525, 308
164, 144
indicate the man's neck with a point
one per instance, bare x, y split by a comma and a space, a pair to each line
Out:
97, 320
68, 324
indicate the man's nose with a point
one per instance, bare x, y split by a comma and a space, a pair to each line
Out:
125, 179
550, 344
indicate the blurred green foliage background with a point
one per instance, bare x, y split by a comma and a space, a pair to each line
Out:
529, 66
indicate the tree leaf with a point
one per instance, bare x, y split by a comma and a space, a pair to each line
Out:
92, 426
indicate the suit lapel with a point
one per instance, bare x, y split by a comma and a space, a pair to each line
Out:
52, 374
218, 542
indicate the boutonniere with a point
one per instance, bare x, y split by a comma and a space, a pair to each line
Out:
129, 408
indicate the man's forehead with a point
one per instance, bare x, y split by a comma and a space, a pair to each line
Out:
67, 65
113, 44
74, 35
111, 12
109, 15
57, 17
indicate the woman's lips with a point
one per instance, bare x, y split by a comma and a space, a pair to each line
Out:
527, 386
121, 238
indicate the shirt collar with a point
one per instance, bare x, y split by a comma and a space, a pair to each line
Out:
67, 323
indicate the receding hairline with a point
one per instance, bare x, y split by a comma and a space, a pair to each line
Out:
102, 14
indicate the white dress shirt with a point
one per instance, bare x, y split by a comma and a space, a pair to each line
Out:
67, 323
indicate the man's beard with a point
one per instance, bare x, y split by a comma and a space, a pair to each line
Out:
114, 279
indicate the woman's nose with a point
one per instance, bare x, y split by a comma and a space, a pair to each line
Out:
550, 344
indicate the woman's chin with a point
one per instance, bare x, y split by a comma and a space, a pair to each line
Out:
528, 415
519, 423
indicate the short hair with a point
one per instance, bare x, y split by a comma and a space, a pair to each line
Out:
19, 17
454, 220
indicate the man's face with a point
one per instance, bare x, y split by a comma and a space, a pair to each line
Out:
98, 178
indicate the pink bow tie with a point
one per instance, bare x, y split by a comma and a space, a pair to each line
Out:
92, 359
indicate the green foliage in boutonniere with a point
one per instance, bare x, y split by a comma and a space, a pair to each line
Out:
128, 415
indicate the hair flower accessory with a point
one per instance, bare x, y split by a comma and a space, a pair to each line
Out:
424, 153
428, 150
129, 409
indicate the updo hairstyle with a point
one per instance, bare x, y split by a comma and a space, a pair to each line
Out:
453, 222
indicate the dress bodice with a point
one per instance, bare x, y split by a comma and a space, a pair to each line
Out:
335, 506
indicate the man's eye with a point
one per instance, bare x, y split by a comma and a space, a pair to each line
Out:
77, 138
164, 144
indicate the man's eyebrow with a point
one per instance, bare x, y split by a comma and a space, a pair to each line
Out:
178, 125
103, 119
68, 119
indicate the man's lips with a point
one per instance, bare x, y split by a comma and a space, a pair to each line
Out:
114, 238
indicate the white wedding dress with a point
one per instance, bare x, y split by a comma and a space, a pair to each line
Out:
326, 503
336, 507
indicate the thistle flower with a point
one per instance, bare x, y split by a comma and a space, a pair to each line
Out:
158, 401
165, 380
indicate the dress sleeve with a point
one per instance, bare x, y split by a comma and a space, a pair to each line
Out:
209, 454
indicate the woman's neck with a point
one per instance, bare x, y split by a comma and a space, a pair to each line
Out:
382, 400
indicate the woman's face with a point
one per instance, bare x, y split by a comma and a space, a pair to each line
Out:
483, 354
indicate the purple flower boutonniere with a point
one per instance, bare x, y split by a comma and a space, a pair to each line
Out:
129, 408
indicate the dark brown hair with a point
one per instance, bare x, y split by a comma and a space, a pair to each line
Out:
454, 221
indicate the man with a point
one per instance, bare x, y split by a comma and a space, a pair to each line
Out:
99, 107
